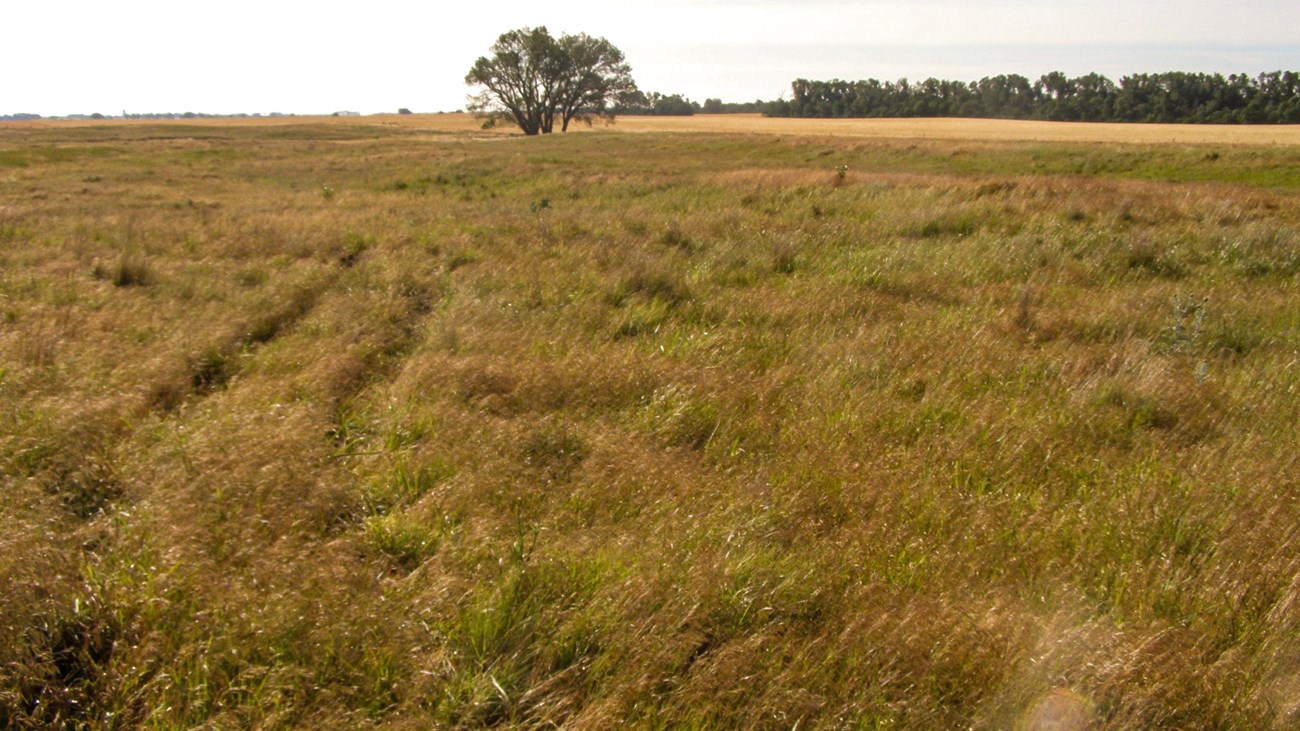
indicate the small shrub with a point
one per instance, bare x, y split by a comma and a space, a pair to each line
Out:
1185, 332
841, 176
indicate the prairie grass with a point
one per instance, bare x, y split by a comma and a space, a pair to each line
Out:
658, 430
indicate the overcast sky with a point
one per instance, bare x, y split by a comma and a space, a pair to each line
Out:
81, 56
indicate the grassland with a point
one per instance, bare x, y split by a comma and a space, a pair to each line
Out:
380, 425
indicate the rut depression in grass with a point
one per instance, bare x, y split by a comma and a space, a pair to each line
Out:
379, 426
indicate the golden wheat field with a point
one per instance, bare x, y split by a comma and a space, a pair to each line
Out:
939, 129
730, 423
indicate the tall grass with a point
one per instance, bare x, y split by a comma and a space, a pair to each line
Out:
721, 436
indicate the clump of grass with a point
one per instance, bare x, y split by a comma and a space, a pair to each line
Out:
252, 277
1263, 251
168, 392
555, 451
67, 672
642, 319
651, 283
460, 257
87, 486
1024, 319
128, 271
1120, 412
1149, 258
677, 238
352, 248
945, 223
40, 347
210, 370
785, 256
404, 540
682, 418
406, 485
487, 383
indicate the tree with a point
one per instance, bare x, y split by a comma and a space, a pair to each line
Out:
595, 78
532, 79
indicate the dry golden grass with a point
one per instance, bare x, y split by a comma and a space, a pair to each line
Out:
343, 425
1001, 130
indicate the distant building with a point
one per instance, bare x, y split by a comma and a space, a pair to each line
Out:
347, 114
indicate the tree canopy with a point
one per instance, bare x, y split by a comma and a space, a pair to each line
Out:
1270, 98
533, 79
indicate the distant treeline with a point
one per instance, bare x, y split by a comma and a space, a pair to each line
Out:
199, 115
149, 115
1270, 98
676, 105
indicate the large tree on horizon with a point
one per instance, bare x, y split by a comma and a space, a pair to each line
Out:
532, 78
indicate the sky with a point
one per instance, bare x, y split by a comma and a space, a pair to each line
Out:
108, 56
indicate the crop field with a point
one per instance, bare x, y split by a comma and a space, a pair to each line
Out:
391, 423
1004, 130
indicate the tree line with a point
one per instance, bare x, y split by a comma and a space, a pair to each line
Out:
677, 105
1270, 98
